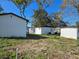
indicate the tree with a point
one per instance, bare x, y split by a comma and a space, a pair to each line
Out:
1, 9
40, 15
58, 21
21, 5
44, 3
74, 3
77, 24
41, 18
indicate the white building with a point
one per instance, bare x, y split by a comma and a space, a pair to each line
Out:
72, 33
43, 30
12, 25
31, 30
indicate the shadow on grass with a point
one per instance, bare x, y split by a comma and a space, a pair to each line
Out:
29, 36
13, 38
36, 37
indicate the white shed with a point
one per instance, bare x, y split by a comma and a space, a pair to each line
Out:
12, 25
42, 30
31, 30
72, 33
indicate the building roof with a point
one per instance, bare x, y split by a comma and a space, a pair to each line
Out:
15, 15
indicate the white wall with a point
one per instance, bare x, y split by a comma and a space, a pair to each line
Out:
38, 31
69, 33
78, 33
31, 30
44, 30
12, 26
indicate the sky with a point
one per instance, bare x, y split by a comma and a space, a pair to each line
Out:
70, 13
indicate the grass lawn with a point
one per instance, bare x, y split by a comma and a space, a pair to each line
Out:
39, 47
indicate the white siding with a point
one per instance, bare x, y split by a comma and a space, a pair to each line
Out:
38, 31
69, 32
31, 30
44, 30
12, 26
78, 33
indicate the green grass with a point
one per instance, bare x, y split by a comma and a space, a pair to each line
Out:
4, 43
42, 47
9, 42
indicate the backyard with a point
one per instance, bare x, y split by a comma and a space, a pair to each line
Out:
39, 47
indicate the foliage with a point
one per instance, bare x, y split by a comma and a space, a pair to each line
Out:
1, 9
41, 18
74, 3
21, 5
58, 21
77, 24
40, 15
44, 3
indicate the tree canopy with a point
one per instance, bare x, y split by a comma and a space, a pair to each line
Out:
41, 16
42, 19
77, 24
74, 3
1, 9
21, 5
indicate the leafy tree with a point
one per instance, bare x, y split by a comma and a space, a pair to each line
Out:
40, 15
21, 5
58, 21
1, 9
41, 18
44, 3
74, 3
77, 24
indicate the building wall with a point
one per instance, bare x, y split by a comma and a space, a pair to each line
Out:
31, 30
12, 26
78, 33
44, 30
47, 30
69, 33
38, 31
